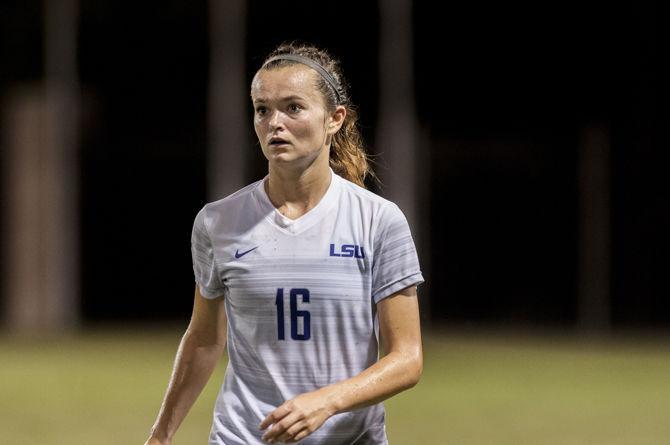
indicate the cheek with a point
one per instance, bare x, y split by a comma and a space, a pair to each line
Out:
310, 128
260, 129
258, 125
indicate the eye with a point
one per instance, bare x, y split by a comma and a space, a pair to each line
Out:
294, 108
261, 110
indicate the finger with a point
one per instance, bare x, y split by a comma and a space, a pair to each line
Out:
301, 435
275, 416
292, 431
280, 427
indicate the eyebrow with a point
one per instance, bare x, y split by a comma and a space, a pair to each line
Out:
283, 99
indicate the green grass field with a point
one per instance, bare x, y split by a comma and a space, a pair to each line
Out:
105, 387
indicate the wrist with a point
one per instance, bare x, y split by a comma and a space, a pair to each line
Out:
332, 396
157, 436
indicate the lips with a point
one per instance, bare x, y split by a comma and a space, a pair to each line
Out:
278, 141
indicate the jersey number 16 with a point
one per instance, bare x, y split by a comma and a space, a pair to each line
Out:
295, 314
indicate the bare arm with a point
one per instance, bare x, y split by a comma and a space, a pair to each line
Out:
199, 352
398, 370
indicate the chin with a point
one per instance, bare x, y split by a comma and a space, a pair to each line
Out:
282, 157
286, 161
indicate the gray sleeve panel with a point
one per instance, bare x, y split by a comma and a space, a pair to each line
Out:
395, 264
205, 270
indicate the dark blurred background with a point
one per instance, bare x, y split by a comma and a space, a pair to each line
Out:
538, 187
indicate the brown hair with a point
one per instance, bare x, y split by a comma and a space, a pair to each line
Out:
348, 157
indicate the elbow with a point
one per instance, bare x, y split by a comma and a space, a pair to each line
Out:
413, 370
417, 371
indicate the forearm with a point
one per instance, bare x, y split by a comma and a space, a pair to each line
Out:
393, 373
196, 359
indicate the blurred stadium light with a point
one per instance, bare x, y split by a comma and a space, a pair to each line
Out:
41, 262
594, 229
228, 97
397, 128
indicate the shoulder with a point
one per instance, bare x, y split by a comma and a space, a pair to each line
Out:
235, 200
216, 212
379, 208
357, 193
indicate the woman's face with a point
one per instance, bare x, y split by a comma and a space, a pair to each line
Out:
290, 116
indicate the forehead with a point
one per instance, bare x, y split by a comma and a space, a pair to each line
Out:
293, 80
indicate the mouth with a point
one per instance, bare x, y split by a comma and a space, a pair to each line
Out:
276, 142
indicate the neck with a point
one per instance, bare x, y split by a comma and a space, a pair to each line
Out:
295, 191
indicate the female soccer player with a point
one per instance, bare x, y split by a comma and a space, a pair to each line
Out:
300, 274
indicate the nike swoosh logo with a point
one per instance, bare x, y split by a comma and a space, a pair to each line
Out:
240, 255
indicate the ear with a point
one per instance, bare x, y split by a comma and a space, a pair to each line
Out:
336, 119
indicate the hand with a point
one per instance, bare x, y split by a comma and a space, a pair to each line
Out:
297, 418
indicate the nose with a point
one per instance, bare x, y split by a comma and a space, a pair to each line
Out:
275, 120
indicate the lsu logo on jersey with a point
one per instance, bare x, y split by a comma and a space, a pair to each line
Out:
348, 250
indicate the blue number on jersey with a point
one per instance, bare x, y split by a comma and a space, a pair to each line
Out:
295, 314
280, 313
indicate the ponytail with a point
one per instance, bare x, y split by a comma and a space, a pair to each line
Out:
347, 151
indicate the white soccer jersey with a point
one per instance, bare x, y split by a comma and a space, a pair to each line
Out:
301, 297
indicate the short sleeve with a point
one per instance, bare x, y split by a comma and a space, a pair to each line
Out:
395, 262
204, 265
